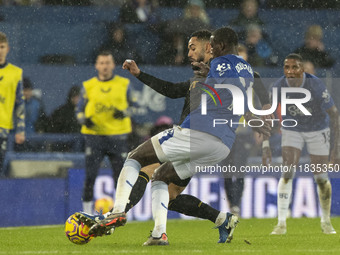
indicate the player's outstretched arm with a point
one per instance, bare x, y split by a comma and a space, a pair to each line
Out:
166, 88
334, 128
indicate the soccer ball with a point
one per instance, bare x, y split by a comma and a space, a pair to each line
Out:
103, 205
76, 231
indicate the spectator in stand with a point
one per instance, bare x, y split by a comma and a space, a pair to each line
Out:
248, 16
179, 31
259, 51
116, 43
313, 49
308, 67
139, 11
36, 120
63, 119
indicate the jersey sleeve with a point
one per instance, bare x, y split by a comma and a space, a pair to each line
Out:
19, 109
80, 108
166, 88
322, 94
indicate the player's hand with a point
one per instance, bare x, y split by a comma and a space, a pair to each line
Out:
266, 156
20, 138
88, 123
268, 117
132, 67
200, 69
117, 114
264, 129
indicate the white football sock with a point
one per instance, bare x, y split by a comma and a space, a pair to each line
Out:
88, 207
325, 199
220, 219
160, 201
284, 193
127, 178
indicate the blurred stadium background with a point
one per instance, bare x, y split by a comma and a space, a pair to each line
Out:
55, 44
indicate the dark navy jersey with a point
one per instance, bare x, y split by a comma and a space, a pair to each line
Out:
232, 70
318, 104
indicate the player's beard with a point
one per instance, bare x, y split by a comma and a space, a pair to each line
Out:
199, 59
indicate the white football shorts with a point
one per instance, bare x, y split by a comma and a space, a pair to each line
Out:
187, 148
317, 141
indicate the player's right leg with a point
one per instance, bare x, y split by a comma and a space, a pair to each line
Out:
290, 157
137, 193
292, 144
142, 156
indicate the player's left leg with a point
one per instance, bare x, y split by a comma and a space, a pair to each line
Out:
139, 187
324, 189
318, 145
163, 176
192, 206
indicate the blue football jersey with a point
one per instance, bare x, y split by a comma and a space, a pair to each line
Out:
318, 104
219, 104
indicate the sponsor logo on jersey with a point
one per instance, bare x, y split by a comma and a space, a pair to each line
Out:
2, 99
326, 96
222, 68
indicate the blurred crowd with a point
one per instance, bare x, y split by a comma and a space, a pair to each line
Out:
291, 4
173, 36
141, 34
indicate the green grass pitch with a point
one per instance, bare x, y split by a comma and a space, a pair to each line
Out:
185, 236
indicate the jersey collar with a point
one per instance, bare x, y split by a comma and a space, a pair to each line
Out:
303, 81
4, 65
106, 79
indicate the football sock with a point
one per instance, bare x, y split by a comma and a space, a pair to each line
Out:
192, 206
138, 190
88, 206
283, 199
126, 180
220, 219
160, 200
325, 197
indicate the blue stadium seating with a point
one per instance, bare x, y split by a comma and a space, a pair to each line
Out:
78, 31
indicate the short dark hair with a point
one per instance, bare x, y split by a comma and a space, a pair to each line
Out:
105, 53
226, 35
3, 38
202, 34
294, 56
26, 83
